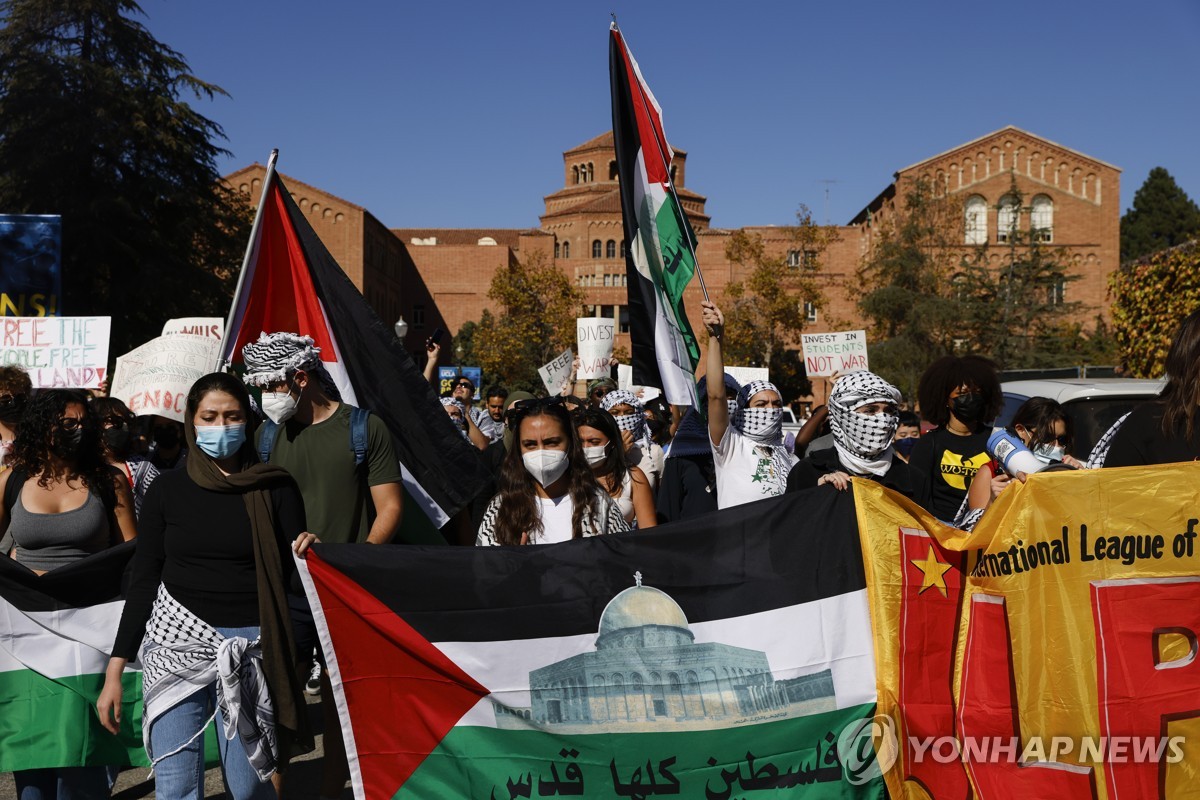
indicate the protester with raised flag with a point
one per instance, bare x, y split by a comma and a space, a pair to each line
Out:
605, 453
689, 483
343, 462
116, 430
207, 612
748, 452
640, 450
863, 413
547, 490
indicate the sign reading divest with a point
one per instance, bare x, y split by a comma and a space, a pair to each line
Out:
594, 336
556, 372
57, 352
827, 353
155, 378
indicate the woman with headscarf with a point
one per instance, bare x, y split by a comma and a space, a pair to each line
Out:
863, 414
689, 482
640, 449
748, 451
207, 608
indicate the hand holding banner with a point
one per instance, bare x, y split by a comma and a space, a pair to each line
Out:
555, 374
594, 336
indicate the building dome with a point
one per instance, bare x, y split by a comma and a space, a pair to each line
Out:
638, 606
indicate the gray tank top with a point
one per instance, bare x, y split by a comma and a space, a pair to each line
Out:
47, 541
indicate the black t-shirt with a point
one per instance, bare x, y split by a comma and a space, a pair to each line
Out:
198, 544
900, 477
688, 488
1141, 441
950, 462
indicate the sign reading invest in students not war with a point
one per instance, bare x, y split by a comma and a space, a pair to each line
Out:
594, 338
57, 352
827, 353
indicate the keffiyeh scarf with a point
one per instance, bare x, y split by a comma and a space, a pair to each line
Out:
277, 357
863, 442
763, 425
635, 423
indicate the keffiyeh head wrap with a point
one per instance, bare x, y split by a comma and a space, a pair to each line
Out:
863, 441
454, 401
763, 425
276, 357
635, 423
691, 439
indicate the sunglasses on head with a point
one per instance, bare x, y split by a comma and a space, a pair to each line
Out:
523, 407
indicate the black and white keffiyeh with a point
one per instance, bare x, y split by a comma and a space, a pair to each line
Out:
276, 357
182, 653
863, 441
763, 425
635, 423
461, 422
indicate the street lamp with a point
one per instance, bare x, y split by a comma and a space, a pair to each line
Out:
401, 328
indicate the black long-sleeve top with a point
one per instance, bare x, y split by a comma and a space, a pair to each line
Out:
198, 544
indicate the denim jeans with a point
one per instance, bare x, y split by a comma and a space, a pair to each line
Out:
62, 783
180, 776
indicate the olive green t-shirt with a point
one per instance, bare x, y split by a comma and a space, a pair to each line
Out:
337, 498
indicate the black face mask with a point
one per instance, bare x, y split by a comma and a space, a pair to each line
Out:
65, 443
117, 440
11, 409
166, 437
967, 407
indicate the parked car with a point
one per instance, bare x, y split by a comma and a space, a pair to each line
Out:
1093, 404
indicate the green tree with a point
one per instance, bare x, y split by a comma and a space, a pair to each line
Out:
766, 313
96, 129
538, 307
1151, 297
1162, 216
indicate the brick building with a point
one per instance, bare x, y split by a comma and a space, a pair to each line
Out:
439, 277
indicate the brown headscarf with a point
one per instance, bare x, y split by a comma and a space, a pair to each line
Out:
254, 481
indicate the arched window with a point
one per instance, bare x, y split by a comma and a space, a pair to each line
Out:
622, 248
1042, 219
566, 249
574, 174
557, 250
1008, 217
610, 249
596, 248
976, 220
612, 170
591, 172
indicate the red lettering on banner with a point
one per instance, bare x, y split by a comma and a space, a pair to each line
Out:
929, 607
988, 709
1138, 695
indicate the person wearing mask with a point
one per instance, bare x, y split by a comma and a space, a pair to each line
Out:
689, 483
167, 450
960, 396
748, 451
626, 485
344, 463
116, 428
15, 388
864, 417
1166, 430
496, 400
640, 450
907, 434
206, 612
547, 490
62, 503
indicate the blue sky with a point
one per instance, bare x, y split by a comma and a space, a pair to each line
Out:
455, 114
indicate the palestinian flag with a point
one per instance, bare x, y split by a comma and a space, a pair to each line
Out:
56, 631
708, 658
661, 257
290, 282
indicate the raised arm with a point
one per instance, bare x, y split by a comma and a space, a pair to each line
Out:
718, 412
432, 350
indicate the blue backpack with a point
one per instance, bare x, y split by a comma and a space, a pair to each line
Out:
358, 436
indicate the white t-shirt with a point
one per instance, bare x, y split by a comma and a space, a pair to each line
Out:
557, 514
749, 471
651, 463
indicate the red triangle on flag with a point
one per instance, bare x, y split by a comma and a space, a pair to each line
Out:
376, 652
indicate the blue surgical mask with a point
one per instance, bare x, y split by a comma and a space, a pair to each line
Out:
905, 446
221, 441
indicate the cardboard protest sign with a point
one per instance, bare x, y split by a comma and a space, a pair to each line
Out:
57, 352
155, 378
557, 371
827, 353
213, 327
744, 375
594, 337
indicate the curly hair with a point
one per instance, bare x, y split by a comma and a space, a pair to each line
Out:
15, 381
951, 372
1181, 395
519, 513
34, 451
614, 464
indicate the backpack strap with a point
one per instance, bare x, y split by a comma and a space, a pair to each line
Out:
268, 433
12, 489
358, 433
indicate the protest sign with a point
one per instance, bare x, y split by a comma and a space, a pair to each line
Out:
744, 375
213, 327
155, 378
827, 353
447, 375
624, 376
556, 372
594, 336
30, 265
57, 352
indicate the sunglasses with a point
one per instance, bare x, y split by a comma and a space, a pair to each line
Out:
464, 385
523, 407
70, 423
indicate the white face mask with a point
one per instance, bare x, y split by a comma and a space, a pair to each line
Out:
279, 406
596, 455
546, 466
1049, 453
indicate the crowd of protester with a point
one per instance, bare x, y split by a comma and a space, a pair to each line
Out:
220, 502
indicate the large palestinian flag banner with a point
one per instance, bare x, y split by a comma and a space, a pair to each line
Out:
290, 282
56, 631
661, 257
710, 659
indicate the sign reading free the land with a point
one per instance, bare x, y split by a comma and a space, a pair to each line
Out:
57, 352
827, 353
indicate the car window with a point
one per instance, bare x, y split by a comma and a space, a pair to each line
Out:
1092, 417
1012, 402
